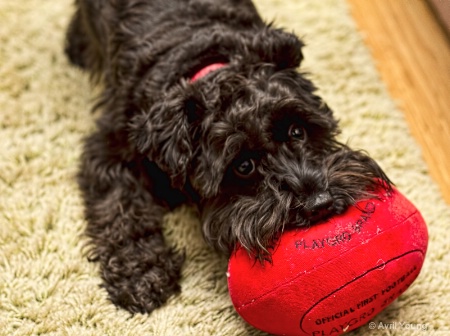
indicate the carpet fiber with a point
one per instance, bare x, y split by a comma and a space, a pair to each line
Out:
47, 286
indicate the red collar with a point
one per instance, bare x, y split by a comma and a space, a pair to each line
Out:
206, 70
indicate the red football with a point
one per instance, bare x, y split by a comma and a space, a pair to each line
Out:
332, 277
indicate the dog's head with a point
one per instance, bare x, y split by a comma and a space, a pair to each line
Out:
258, 147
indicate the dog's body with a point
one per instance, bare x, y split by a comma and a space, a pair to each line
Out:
249, 142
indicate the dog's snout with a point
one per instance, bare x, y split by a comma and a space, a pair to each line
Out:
319, 206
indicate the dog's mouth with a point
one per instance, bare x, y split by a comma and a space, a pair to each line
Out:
316, 217
323, 205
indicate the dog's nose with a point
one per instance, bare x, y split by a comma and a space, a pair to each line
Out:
318, 207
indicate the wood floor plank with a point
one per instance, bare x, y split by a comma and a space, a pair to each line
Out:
412, 54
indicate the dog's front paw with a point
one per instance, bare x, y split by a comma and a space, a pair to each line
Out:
142, 279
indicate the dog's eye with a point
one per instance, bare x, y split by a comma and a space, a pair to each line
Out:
245, 168
297, 132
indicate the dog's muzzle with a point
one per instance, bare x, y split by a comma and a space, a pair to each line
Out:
319, 206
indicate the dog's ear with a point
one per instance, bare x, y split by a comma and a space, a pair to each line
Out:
163, 134
279, 47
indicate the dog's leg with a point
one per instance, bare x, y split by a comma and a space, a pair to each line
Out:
139, 270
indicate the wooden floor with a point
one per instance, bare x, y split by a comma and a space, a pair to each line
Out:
413, 56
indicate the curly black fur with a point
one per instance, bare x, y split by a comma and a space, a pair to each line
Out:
250, 144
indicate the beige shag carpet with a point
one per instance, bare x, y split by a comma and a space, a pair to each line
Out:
47, 287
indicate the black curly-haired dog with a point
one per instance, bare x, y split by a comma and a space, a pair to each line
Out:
202, 104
